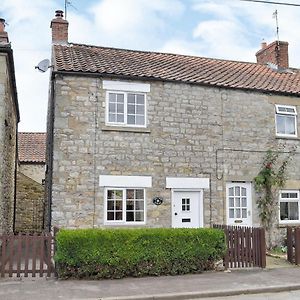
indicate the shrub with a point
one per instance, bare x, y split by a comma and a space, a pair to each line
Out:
117, 253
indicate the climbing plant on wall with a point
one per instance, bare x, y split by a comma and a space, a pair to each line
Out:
269, 180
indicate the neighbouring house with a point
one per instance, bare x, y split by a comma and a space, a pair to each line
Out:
9, 118
139, 138
30, 179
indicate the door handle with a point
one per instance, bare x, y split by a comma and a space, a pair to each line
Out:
175, 214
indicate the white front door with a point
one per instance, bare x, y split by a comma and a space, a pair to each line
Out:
239, 204
187, 209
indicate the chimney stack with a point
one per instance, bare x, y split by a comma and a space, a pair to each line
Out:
275, 53
3, 33
59, 28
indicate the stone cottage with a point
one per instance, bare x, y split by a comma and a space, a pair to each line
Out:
30, 182
141, 138
9, 118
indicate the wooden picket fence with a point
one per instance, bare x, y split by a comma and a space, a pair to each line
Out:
246, 246
293, 245
25, 254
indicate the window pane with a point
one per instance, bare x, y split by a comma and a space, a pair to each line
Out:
244, 202
112, 117
238, 213
140, 109
139, 216
112, 108
120, 108
130, 194
231, 191
120, 118
244, 213
244, 191
140, 99
231, 202
131, 98
283, 211
280, 124
139, 205
110, 194
130, 216
118, 215
110, 216
110, 205
231, 213
130, 205
131, 119
112, 97
183, 207
237, 202
237, 191
139, 194
293, 211
140, 120
130, 109
290, 125
118, 194
118, 205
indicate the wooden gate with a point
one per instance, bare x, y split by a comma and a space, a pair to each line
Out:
293, 245
25, 254
246, 246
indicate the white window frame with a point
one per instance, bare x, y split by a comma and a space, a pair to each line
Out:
278, 112
124, 124
123, 221
289, 200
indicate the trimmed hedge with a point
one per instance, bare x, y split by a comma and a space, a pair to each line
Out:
117, 253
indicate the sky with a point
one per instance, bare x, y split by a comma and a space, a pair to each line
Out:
226, 29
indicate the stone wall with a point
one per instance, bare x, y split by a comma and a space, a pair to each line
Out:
8, 129
33, 170
29, 205
192, 131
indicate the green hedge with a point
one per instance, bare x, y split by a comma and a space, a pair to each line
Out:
117, 253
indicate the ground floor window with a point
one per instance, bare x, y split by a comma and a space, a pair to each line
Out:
289, 206
125, 205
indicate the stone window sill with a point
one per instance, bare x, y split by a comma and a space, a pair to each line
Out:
125, 129
287, 138
296, 224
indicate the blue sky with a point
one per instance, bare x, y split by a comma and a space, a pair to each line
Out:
227, 29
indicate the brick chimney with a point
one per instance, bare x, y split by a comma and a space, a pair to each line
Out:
59, 28
3, 33
275, 53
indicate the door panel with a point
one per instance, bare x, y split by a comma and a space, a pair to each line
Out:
187, 209
239, 204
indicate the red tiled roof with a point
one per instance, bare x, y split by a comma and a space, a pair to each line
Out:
174, 67
32, 147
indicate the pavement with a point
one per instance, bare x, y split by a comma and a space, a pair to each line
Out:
204, 285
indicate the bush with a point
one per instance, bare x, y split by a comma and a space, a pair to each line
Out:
117, 253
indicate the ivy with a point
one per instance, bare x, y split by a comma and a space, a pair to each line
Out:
269, 180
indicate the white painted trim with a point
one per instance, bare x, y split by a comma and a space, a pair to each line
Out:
187, 183
286, 114
126, 86
125, 181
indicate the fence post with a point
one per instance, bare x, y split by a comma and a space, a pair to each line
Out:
297, 246
289, 232
263, 247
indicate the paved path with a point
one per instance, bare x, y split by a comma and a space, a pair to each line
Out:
165, 287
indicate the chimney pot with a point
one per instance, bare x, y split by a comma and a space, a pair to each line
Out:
59, 14
263, 45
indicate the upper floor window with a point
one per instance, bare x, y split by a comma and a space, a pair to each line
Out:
289, 206
126, 108
126, 103
286, 120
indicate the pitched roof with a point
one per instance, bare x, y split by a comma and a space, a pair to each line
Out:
174, 67
32, 147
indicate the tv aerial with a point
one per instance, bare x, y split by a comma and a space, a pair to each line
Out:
43, 65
